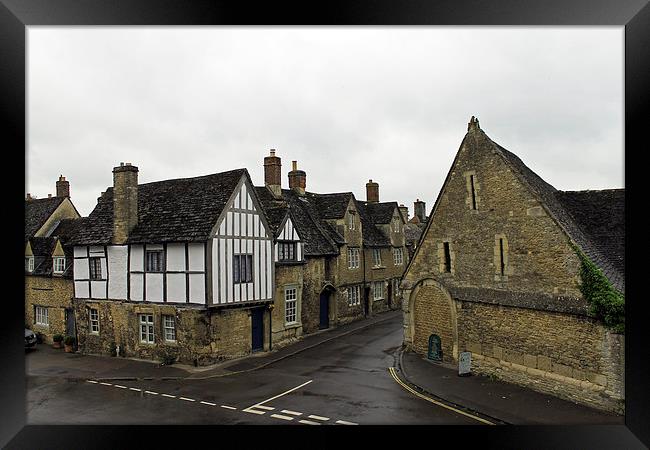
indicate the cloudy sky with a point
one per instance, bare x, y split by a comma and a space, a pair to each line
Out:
349, 104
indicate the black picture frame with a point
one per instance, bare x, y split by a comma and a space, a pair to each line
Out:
16, 15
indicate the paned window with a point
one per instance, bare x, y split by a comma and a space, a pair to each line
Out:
447, 257
286, 251
376, 256
93, 316
169, 328
396, 291
146, 328
354, 295
290, 305
58, 263
396, 225
155, 259
378, 290
398, 256
352, 225
95, 268
41, 315
353, 258
29, 264
242, 268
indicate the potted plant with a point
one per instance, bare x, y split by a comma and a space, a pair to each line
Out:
69, 342
57, 339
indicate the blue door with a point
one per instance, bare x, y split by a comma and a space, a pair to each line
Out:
257, 327
324, 310
435, 348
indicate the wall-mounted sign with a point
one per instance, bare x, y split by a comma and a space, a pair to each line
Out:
464, 364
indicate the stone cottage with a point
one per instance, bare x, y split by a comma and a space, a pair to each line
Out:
514, 271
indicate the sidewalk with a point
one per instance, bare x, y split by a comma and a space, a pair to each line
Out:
505, 402
49, 362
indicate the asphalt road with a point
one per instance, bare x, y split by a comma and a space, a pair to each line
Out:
341, 382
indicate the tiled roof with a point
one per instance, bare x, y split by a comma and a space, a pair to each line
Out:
37, 212
42, 248
380, 212
330, 206
412, 232
372, 236
180, 210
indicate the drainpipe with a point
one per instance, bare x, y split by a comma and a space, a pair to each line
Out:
366, 300
270, 326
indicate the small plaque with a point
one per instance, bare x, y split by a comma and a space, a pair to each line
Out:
464, 364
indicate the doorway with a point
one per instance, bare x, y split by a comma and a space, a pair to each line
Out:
257, 329
324, 310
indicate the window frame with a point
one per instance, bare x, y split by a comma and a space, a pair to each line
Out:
166, 327
352, 224
398, 261
376, 257
353, 257
237, 268
39, 313
59, 259
149, 330
293, 246
376, 284
29, 260
160, 263
93, 322
95, 270
354, 295
291, 305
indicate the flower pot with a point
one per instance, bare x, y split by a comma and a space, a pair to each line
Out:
68, 348
56, 345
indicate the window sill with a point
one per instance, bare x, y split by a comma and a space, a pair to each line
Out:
166, 342
378, 299
378, 267
292, 325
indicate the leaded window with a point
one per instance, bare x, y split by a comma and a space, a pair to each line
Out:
169, 328
398, 256
290, 305
287, 251
29, 264
376, 256
93, 316
95, 268
354, 295
378, 290
155, 260
353, 258
242, 268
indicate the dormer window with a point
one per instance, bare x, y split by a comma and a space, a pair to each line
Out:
58, 264
29, 263
287, 251
396, 225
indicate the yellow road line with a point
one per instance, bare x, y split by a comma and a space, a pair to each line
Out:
424, 397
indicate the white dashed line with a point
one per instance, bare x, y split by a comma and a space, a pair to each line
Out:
120, 386
228, 407
268, 408
344, 422
135, 389
151, 392
309, 422
319, 417
106, 384
280, 416
186, 399
167, 395
208, 403
293, 413
253, 411
91, 381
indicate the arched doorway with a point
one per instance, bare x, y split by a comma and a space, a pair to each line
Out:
324, 307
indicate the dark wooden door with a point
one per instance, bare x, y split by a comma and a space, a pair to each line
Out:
324, 310
257, 328
70, 326
366, 301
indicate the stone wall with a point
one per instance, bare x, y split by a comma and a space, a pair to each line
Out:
287, 276
55, 293
313, 276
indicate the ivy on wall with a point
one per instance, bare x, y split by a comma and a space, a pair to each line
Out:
605, 302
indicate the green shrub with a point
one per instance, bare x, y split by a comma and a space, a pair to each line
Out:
69, 340
57, 338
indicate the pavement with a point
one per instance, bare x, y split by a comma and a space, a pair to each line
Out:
502, 402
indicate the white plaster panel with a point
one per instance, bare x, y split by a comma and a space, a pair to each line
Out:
229, 290
96, 250
80, 252
237, 203
276, 252
154, 287
136, 287
155, 247
197, 288
104, 268
81, 289
269, 278
176, 287
249, 230
243, 195
229, 219
98, 289
216, 294
222, 227
262, 230
137, 258
237, 296
263, 256
249, 291
117, 255
256, 262
197, 257
235, 224
80, 271
299, 251
256, 225
222, 270
175, 257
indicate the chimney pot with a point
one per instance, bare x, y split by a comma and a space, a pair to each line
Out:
372, 192
297, 179
294, 165
273, 174
62, 187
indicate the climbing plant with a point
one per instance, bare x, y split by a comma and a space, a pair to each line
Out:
605, 302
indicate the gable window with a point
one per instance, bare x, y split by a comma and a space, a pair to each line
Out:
396, 225
29, 264
58, 264
378, 290
95, 268
353, 258
398, 256
376, 256
354, 295
290, 305
287, 251
93, 317
155, 259
146, 328
41, 316
447, 255
242, 266
352, 225
169, 328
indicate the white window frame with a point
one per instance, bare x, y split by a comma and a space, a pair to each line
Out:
353, 258
398, 256
60, 260
354, 295
352, 225
30, 263
376, 257
41, 316
377, 287
169, 328
93, 319
291, 305
396, 225
146, 334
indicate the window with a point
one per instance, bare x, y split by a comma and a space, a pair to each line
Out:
376, 256
352, 225
29, 264
290, 305
398, 256
169, 328
286, 251
41, 315
378, 290
58, 263
473, 189
146, 328
93, 315
354, 295
242, 268
396, 225
353, 258
154, 260
95, 268
447, 257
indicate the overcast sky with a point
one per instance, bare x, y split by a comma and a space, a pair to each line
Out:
349, 104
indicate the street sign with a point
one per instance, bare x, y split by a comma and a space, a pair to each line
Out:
464, 364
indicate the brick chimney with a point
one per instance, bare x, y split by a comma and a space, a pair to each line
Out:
62, 187
297, 179
273, 174
125, 201
404, 210
419, 209
372, 192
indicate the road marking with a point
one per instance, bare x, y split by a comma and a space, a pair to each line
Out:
228, 407
208, 403
258, 405
151, 392
268, 408
280, 416
186, 399
106, 384
344, 422
120, 386
167, 395
319, 417
91, 381
413, 391
293, 413
253, 411
135, 389
308, 422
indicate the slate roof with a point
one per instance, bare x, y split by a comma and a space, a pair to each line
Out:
37, 212
372, 236
179, 210
42, 248
380, 212
330, 206
412, 232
